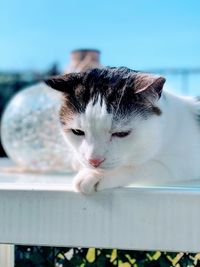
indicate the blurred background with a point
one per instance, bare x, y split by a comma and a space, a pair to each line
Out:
37, 38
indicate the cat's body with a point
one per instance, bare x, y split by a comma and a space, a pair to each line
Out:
123, 130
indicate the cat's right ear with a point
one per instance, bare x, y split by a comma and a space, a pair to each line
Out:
64, 83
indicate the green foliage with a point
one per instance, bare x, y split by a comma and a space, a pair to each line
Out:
91, 257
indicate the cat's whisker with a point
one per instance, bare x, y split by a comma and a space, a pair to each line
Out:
118, 105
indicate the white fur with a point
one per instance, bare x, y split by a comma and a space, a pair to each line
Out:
160, 150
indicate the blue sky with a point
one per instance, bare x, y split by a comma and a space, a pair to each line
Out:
140, 34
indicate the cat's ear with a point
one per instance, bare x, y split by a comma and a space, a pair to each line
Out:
146, 82
64, 83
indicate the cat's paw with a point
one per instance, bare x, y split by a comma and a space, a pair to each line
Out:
86, 181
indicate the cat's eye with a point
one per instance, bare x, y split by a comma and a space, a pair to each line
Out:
77, 132
121, 134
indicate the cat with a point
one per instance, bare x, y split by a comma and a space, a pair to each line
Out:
124, 129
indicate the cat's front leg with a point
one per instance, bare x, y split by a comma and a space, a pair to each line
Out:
86, 181
150, 173
116, 178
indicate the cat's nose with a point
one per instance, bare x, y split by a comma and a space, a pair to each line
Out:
95, 162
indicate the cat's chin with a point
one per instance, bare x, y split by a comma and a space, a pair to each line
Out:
101, 168
111, 167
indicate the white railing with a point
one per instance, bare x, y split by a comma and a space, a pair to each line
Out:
38, 209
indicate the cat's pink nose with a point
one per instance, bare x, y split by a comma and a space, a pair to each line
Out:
96, 162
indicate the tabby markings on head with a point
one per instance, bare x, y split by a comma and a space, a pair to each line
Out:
124, 91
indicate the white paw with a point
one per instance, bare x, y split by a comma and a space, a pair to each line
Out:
110, 181
86, 181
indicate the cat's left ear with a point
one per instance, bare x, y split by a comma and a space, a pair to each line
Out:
64, 83
149, 83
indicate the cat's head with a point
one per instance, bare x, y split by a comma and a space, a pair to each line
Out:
110, 116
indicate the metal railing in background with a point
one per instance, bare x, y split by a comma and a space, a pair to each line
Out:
185, 75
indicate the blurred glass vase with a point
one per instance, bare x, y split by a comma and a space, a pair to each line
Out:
30, 130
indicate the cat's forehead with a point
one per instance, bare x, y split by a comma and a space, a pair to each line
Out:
97, 120
96, 117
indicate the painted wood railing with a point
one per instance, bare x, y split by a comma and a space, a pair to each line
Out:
39, 209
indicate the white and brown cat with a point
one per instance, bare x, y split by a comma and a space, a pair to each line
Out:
124, 129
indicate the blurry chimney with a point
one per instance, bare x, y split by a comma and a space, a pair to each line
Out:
83, 59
